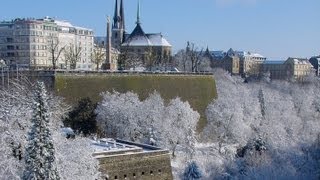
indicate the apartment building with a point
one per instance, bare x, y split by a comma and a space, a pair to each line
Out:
45, 43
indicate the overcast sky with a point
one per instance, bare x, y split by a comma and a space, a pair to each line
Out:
274, 28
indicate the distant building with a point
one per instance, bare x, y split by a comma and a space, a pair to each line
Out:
137, 48
29, 42
298, 68
229, 61
127, 160
277, 69
315, 61
250, 63
238, 62
292, 68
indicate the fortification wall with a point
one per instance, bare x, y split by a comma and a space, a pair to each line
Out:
198, 89
142, 166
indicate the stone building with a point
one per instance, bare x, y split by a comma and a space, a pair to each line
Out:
230, 62
138, 48
238, 62
275, 69
292, 68
32, 43
127, 160
298, 68
250, 63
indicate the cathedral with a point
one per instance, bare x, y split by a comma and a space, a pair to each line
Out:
138, 49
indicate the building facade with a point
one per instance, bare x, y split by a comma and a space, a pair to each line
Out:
127, 160
44, 43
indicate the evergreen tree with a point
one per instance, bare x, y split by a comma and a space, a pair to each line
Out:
192, 172
82, 118
40, 153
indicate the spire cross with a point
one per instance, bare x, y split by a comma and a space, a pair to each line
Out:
138, 13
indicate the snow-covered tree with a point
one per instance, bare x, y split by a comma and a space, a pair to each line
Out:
282, 115
15, 114
74, 158
172, 126
40, 152
192, 172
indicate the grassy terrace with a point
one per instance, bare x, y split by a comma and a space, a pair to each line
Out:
198, 89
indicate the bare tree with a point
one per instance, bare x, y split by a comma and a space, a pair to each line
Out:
133, 61
150, 59
98, 56
123, 57
194, 56
181, 60
73, 55
54, 49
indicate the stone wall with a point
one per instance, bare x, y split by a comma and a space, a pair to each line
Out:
143, 166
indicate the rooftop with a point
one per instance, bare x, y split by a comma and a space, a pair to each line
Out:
110, 147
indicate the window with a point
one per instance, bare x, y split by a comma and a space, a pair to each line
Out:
151, 172
142, 173
134, 174
116, 177
125, 176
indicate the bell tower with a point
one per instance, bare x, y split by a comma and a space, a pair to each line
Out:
118, 27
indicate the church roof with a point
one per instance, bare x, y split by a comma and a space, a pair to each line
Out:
137, 38
158, 40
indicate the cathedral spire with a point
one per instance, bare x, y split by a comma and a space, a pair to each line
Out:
122, 26
116, 16
138, 13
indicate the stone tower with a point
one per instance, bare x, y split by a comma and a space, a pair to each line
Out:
118, 27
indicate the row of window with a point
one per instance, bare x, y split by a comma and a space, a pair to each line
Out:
24, 54
134, 175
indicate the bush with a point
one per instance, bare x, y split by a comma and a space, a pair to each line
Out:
82, 119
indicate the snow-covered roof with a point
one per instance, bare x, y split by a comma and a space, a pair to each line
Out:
158, 40
249, 54
299, 60
108, 146
139, 38
67, 24
218, 53
63, 23
137, 41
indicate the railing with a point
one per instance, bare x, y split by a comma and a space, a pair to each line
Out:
68, 72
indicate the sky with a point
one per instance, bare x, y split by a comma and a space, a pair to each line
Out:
277, 29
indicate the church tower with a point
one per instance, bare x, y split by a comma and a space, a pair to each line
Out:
118, 27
